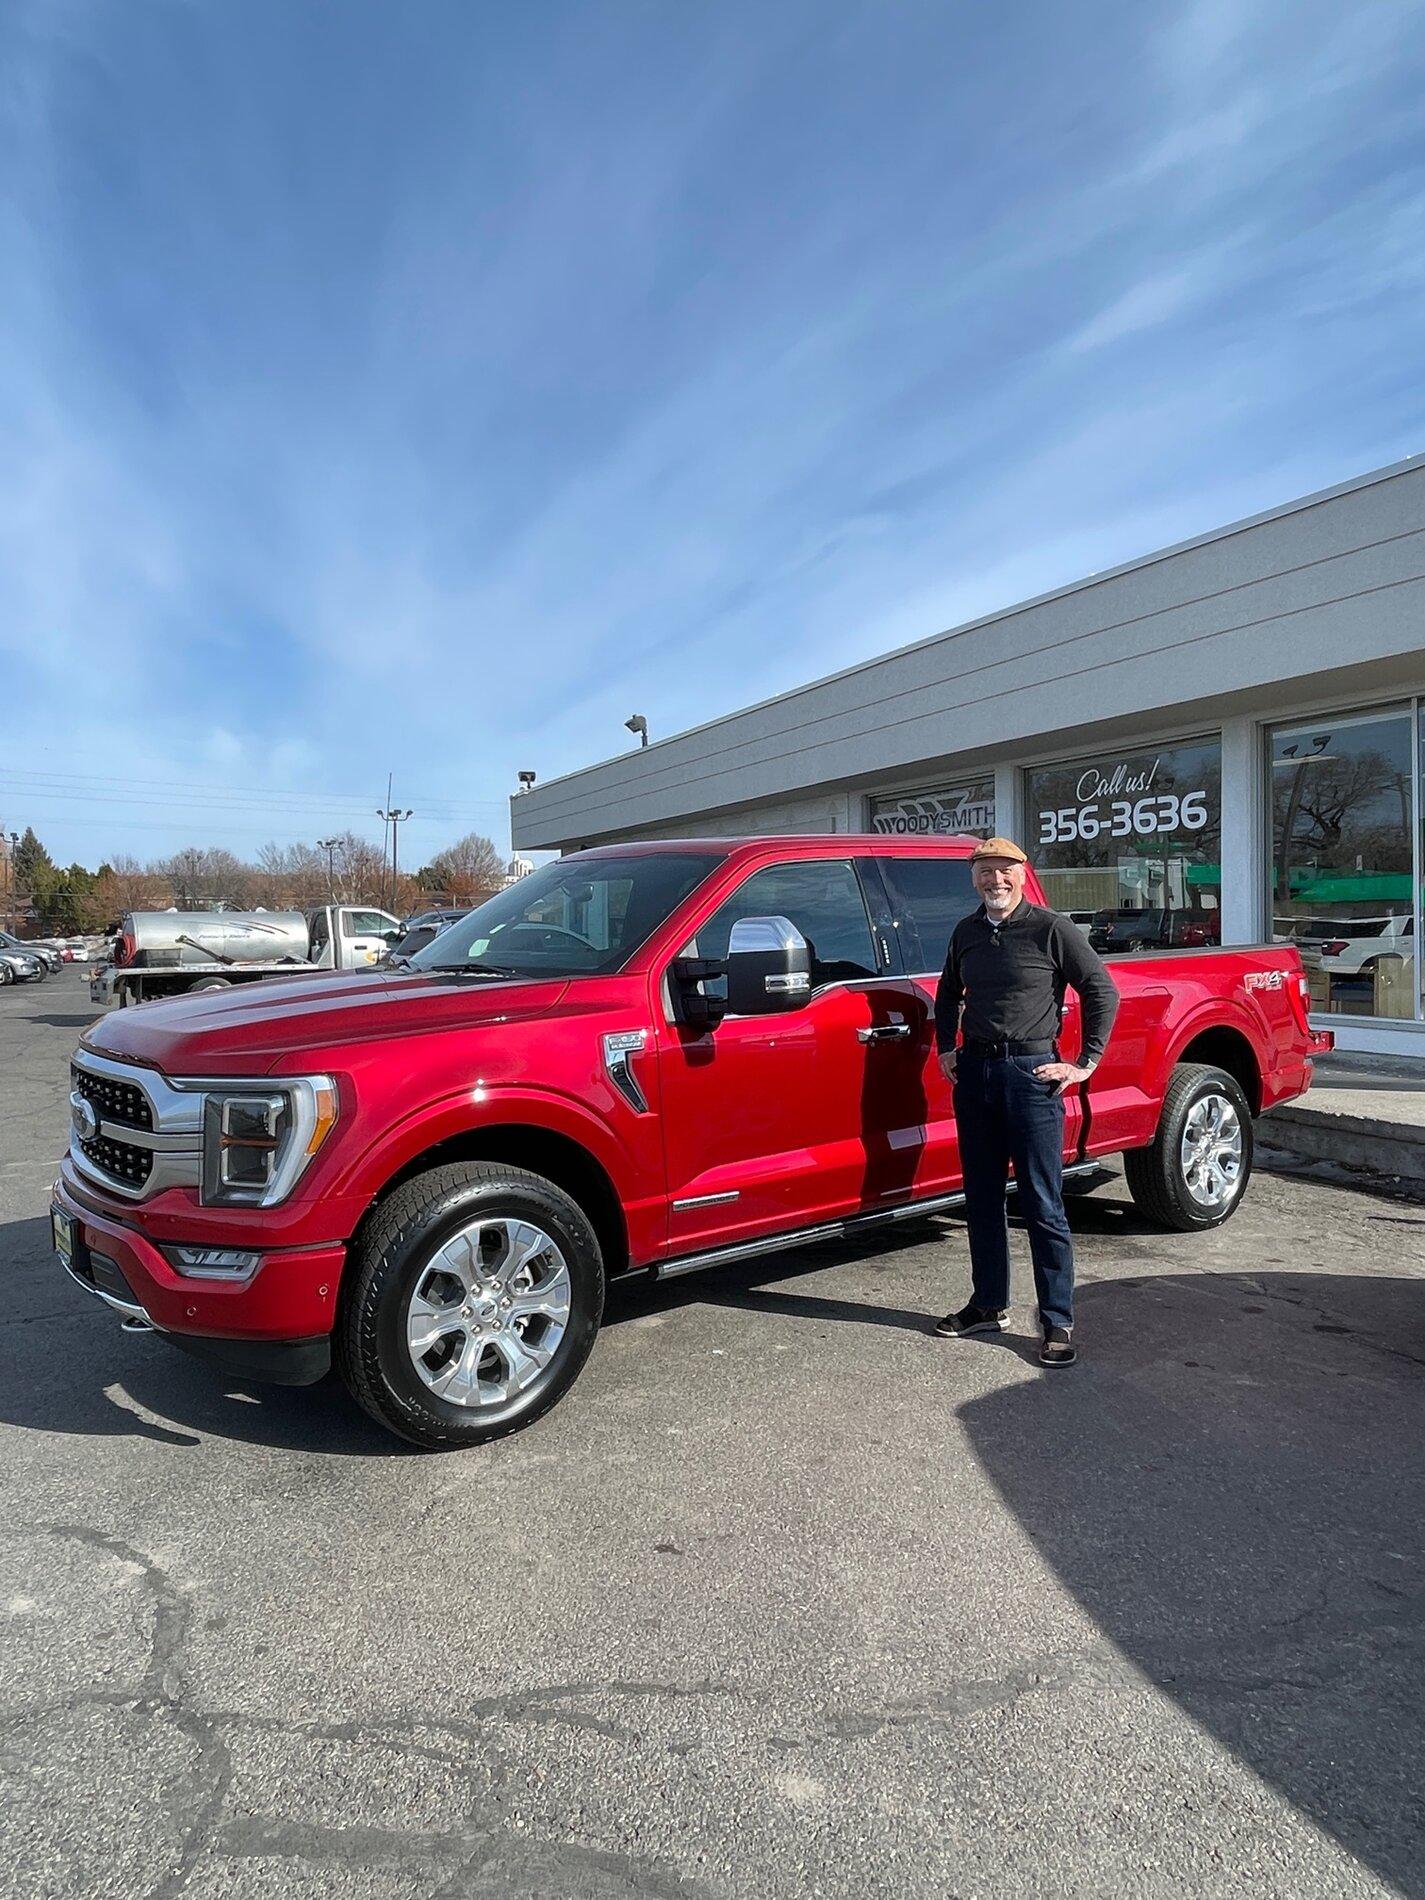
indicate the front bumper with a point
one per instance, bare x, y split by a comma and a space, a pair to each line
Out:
277, 1325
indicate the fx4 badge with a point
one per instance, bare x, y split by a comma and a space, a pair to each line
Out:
1264, 980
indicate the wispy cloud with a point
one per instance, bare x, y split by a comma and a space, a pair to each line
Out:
432, 391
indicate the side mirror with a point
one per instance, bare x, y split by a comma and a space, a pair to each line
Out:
768, 967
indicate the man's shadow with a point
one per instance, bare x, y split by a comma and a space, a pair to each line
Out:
1230, 1484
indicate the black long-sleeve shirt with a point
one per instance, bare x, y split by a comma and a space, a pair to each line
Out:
1010, 980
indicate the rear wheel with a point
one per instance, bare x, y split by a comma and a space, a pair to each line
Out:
474, 1299
210, 983
1197, 1166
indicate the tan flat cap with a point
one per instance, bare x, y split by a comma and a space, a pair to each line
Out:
999, 848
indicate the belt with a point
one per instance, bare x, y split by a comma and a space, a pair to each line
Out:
993, 1051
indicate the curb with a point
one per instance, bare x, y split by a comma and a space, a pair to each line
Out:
1382, 1148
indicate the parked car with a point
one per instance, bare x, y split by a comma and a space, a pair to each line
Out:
1352, 946
1115, 931
18, 966
170, 952
48, 959
651, 1058
419, 932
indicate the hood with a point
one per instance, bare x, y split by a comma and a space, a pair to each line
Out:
248, 1029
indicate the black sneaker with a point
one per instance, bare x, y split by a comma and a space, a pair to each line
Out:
1058, 1347
972, 1319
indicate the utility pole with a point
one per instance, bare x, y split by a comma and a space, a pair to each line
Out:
10, 838
329, 845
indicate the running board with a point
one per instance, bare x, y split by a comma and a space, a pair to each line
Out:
845, 1229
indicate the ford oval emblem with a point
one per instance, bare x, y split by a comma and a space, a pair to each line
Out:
83, 1117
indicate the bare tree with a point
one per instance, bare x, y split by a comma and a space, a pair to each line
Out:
466, 871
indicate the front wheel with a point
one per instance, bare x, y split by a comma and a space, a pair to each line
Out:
474, 1298
1196, 1169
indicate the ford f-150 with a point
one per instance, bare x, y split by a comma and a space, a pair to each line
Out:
647, 1059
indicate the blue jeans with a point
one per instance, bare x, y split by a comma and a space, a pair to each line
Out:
1005, 1114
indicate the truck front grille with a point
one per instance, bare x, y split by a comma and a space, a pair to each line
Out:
115, 1101
119, 1159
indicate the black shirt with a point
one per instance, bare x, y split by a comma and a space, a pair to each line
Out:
1011, 977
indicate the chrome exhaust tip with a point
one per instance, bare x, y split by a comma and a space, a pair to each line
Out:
132, 1325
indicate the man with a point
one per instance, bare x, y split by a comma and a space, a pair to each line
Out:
1007, 969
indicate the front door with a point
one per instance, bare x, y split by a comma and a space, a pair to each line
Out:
364, 937
766, 1117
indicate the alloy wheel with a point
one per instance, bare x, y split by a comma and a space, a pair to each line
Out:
488, 1311
1211, 1151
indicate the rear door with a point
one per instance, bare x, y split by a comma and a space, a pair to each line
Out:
929, 895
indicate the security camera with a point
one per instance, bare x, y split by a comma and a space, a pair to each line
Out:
526, 781
639, 725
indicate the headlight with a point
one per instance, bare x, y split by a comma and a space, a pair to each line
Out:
258, 1140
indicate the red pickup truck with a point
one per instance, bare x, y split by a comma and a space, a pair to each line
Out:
645, 1058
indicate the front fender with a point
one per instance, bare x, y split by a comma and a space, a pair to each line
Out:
632, 1162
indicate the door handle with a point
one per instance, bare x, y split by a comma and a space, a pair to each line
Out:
884, 1032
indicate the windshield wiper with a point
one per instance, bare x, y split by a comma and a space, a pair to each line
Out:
472, 969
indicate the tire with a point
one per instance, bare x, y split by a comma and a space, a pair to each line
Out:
1167, 1186
7, 975
212, 983
443, 1238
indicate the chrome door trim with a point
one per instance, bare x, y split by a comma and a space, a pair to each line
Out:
844, 1229
707, 1200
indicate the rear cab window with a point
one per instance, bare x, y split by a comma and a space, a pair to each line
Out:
928, 896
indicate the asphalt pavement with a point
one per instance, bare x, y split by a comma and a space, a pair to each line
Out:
786, 1598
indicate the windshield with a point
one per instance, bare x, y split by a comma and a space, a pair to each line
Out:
575, 917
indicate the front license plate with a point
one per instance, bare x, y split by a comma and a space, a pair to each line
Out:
62, 1234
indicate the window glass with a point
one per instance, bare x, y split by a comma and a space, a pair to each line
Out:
930, 896
1129, 845
366, 923
1343, 888
821, 897
574, 916
963, 807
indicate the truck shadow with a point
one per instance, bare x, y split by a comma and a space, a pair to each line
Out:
1231, 1487
66, 1366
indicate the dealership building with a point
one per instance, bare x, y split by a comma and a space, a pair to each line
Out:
1220, 742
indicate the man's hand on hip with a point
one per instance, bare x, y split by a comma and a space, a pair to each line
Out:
1063, 1075
947, 1063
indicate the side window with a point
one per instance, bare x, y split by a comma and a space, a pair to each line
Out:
822, 898
365, 923
321, 933
931, 895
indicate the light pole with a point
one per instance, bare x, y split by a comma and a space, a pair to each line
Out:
395, 819
329, 845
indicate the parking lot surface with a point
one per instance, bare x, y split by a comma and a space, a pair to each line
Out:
786, 1598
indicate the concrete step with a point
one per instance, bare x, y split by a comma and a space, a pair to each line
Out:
1362, 1112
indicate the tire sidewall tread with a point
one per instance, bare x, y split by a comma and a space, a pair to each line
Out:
411, 1217
1154, 1174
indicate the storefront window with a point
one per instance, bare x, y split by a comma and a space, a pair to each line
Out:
965, 807
1343, 865
1129, 845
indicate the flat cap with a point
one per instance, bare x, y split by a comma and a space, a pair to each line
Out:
998, 848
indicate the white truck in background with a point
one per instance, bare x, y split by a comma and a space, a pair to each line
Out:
175, 952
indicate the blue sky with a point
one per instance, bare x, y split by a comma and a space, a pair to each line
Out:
426, 388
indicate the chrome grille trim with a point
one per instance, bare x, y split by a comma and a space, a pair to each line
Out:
171, 1144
